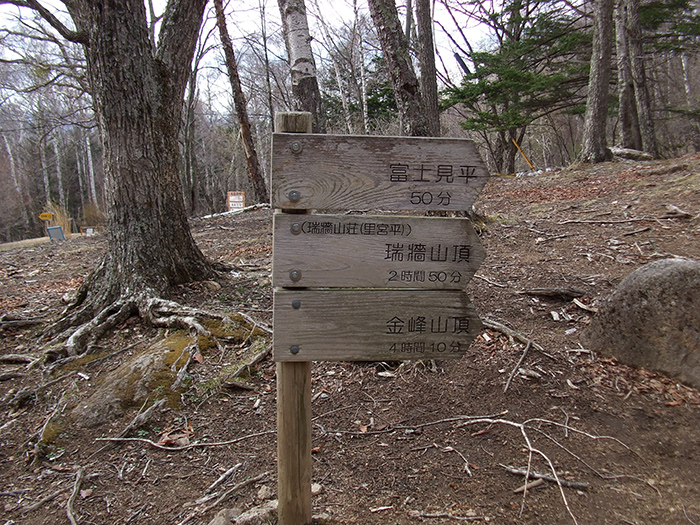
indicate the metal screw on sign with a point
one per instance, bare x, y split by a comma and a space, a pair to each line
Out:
296, 147
295, 275
294, 196
296, 304
294, 349
296, 228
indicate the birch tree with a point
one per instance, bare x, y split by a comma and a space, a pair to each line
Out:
302, 66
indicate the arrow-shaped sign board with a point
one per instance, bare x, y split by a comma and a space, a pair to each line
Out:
334, 172
372, 325
360, 251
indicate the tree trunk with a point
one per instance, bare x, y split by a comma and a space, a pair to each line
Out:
646, 121
16, 182
363, 73
256, 173
59, 177
595, 148
629, 123
398, 59
301, 61
266, 56
138, 95
428, 71
80, 172
91, 172
44, 170
189, 173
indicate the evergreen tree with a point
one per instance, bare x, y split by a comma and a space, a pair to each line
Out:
537, 68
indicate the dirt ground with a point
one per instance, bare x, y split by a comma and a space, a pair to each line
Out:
392, 443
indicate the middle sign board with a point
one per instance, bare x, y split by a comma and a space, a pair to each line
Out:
352, 251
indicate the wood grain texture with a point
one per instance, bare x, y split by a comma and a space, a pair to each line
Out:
340, 251
294, 406
337, 172
294, 443
372, 325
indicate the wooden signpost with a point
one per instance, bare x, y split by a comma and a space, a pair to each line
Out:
362, 251
363, 287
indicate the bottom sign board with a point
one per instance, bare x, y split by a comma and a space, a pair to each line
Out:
372, 325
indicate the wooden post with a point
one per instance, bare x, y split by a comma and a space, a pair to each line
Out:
294, 405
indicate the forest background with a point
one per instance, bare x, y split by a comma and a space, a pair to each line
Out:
515, 71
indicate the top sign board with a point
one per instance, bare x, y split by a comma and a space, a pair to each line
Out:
312, 171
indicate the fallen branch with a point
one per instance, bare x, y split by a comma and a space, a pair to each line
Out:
563, 293
542, 240
517, 367
609, 221
439, 515
635, 232
545, 477
17, 358
511, 334
74, 494
531, 451
255, 324
14, 492
20, 323
41, 502
490, 281
187, 447
222, 497
582, 306
256, 359
224, 477
528, 486
6, 376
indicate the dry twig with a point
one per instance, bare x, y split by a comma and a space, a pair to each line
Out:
517, 367
222, 497
187, 447
74, 494
545, 477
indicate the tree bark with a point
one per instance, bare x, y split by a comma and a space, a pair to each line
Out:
595, 148
17, 182
428, 71
398, 59
256, 173
138, 95
44, 170
59, 176
189, 173
629, 123
301, 61
91, 171
646, 121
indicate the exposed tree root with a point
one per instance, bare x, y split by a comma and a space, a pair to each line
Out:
78, 330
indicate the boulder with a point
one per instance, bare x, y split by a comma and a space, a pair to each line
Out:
652, 320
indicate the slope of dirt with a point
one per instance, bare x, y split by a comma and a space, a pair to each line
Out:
411, 443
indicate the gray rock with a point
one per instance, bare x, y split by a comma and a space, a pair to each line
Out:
261, 515
225, 517
652, 320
